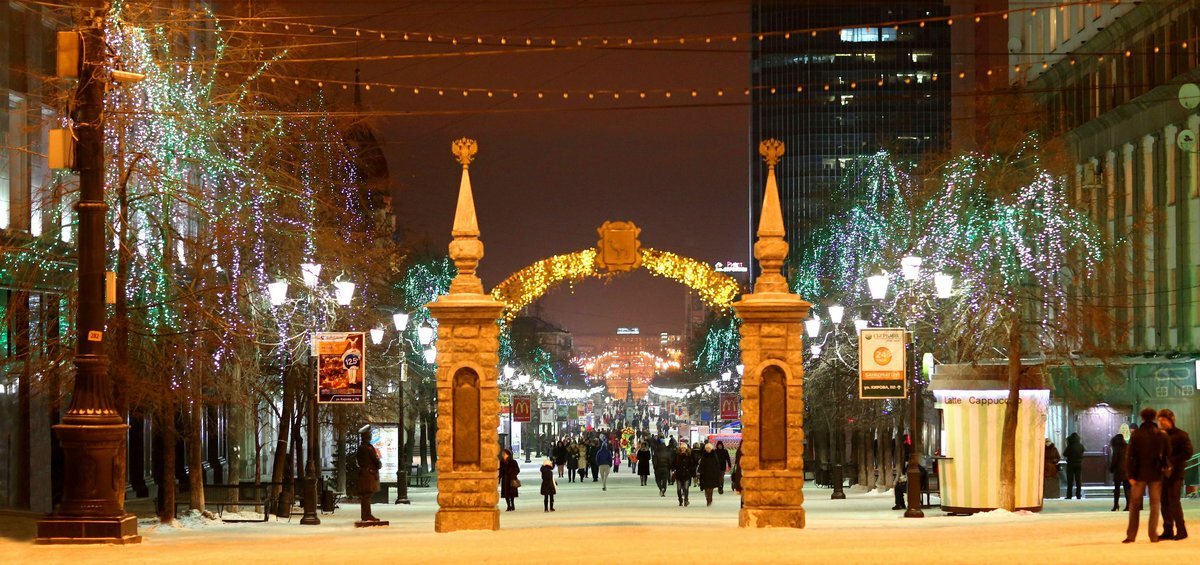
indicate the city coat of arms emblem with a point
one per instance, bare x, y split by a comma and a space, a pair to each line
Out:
619, 248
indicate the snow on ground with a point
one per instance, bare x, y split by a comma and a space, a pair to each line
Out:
592, 526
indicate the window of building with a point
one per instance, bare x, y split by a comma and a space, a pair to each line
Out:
922, 57
867, 34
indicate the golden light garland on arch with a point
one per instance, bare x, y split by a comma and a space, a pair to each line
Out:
524, 287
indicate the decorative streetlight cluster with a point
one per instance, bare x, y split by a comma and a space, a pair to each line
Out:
877, 287
514, 379
709, 387
310, 273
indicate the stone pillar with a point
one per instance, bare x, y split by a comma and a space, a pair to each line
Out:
468, 402
772, 387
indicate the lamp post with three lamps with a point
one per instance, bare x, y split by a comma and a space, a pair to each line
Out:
343, 292
425, 335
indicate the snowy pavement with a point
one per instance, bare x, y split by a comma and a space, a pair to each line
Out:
632, 521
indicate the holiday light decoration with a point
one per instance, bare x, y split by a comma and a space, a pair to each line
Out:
527, 285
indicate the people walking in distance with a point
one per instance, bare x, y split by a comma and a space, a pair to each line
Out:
1149, 449
663, 457
1074, 455
549, 487
1180, 447
572, 461
643, 462
723, 457
368, 473
1053, 486
581, 450
509, 483
560, 456
711, 473
682, 470
1116, 466
735, 476
616, 455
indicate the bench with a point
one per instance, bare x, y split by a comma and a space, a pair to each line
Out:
418, 479
247, 494
930, 489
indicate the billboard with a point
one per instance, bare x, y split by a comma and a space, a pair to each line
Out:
521, 408
386, 441
341, 367
881, 363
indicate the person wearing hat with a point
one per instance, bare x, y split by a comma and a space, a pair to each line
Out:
1181, 450
549, 487
368, 472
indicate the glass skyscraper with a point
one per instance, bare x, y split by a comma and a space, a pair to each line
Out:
872, 77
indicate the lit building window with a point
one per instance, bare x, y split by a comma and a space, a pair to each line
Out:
867, 34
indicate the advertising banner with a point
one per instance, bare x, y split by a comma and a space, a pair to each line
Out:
573, 412
547, 411
341, 367
562, 414
729, 406
881, 363
521, 410
386, 441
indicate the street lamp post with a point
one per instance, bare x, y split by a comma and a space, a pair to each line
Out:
425, 338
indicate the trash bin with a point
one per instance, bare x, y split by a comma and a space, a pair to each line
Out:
327, 501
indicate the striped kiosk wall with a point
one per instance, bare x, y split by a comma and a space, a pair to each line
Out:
969, 473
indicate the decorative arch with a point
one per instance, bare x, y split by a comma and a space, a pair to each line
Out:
717, 290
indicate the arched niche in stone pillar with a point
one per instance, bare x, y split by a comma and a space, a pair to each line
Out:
466, 418
772, 417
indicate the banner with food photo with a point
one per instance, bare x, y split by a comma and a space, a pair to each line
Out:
341, 367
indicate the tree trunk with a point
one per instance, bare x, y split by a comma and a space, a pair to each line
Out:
166, 483
279, 465
1008, 438
869, 459
424, 442
195, 456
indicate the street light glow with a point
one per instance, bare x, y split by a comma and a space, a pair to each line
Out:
836, 312
910, 267
509, 372
425, 333
278, 291
877, 285
944, 284
310, 272
430, 355
860, 325
377, 335
344, 292
400, 319
726, 375
813, 326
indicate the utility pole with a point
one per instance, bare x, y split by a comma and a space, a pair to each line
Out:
92, 432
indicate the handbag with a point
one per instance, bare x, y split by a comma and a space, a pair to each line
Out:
516, 483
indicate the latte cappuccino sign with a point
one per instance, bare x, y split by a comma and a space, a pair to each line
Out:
881, 363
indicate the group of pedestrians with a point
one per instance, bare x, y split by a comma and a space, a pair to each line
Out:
1154, 463
707, 465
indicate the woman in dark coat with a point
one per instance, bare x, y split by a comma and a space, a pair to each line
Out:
723, 456
572, 450
643, 462
560, 455
509, 469
548, 486
1074, 456
1116, 466
683, 468
711, 473
368, 473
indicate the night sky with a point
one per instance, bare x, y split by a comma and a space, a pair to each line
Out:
549, 173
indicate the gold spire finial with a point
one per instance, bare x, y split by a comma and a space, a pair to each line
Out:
464, 150
771, 150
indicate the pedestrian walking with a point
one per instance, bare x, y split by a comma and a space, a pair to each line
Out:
1116, 466
581, 450
711, 473
604, 461
643, 462
1074, 455
683, 468
663, 457
616, 455
735, 476
723, 457
1149, 451
1180, 448
572, 461
509, 483
549, 486
368, 473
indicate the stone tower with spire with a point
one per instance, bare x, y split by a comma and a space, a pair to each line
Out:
467, 361
772, 386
